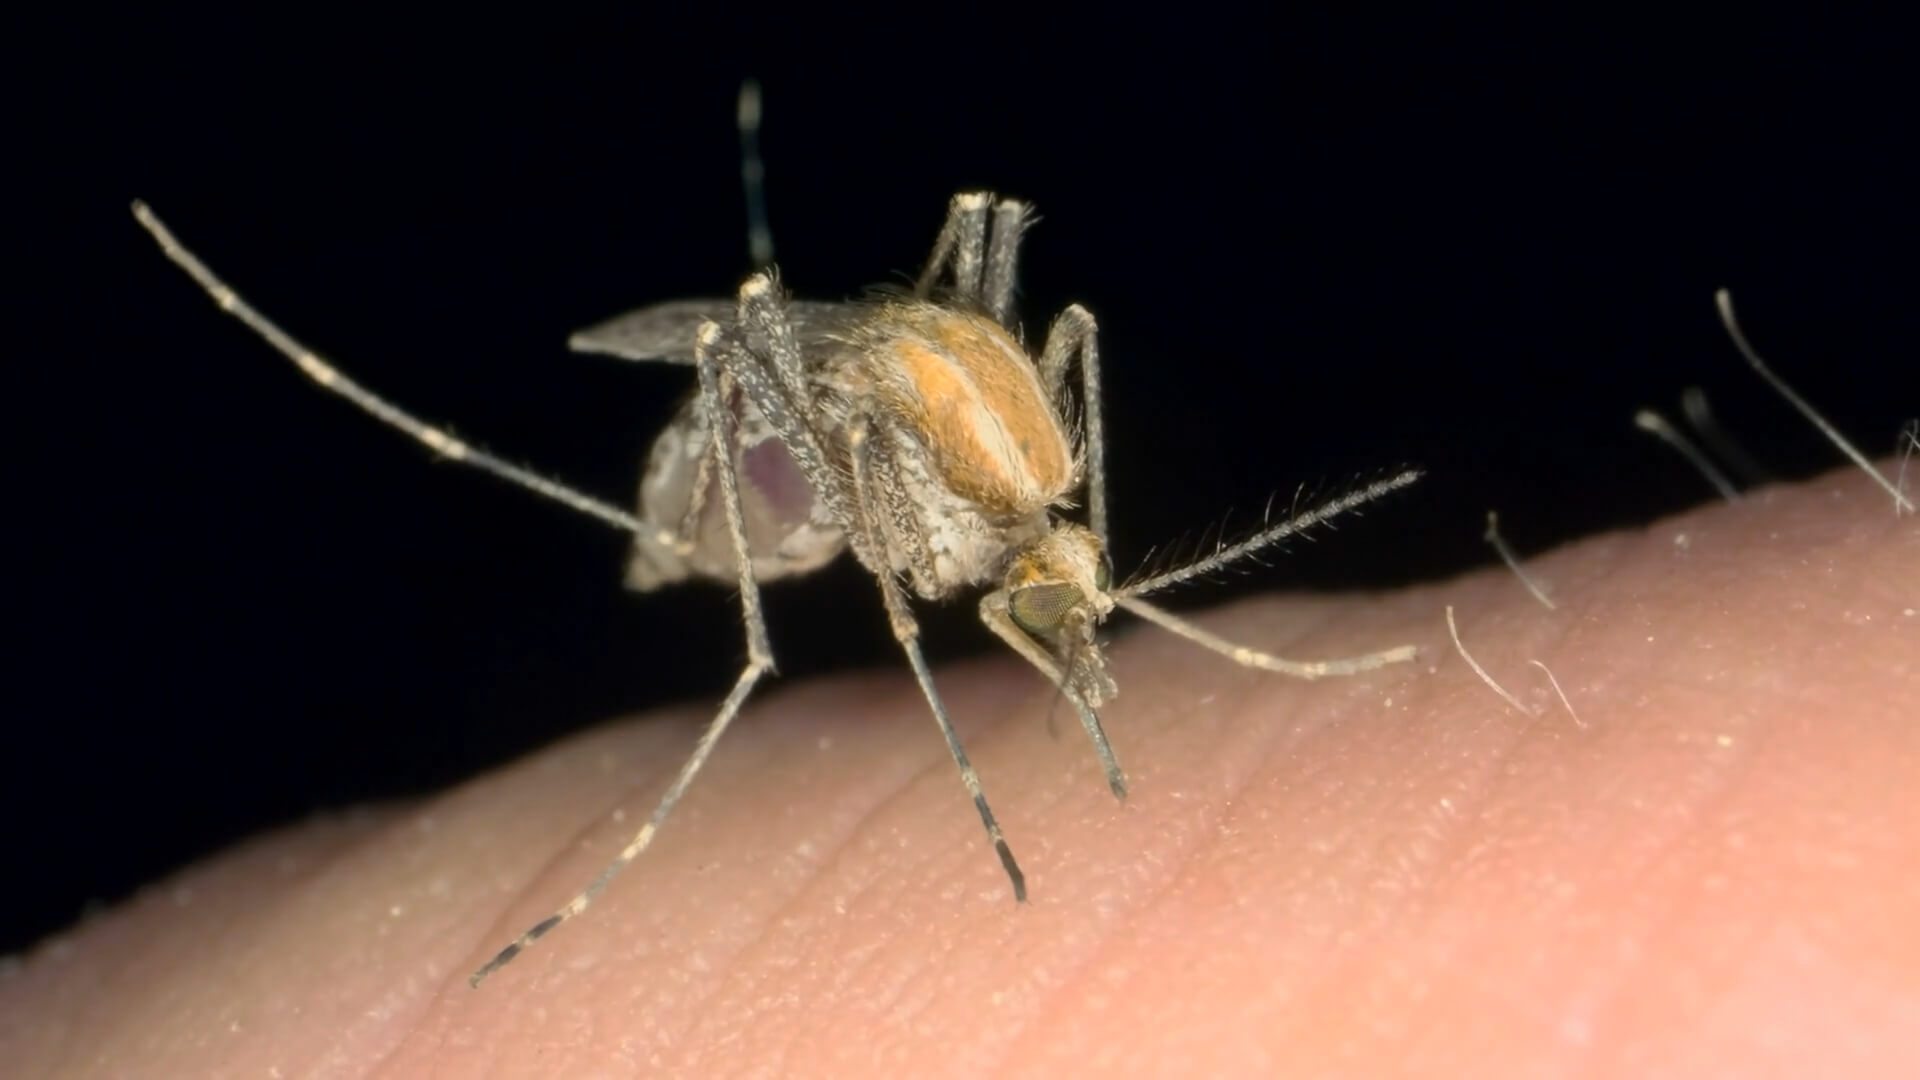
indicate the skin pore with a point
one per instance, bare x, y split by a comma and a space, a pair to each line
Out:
1713, 868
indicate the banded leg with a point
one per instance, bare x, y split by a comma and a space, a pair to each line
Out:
333, 379
906, 631
434, 438
759, 655
1074, 331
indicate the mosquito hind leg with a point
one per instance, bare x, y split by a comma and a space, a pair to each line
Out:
707, 345
435, 438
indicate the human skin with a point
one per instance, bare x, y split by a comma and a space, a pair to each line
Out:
1712, 869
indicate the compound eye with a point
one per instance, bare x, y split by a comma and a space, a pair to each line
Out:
1103, 574
1037, 609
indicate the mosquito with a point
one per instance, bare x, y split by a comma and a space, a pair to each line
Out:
913, 427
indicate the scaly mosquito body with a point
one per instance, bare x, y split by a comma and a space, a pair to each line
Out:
915, 429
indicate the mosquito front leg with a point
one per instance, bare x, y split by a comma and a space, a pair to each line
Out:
1074, 331
873, 552
993, 613
725, 433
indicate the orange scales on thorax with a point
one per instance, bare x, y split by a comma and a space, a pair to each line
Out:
971, 391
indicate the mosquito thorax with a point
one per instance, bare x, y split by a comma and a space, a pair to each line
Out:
966, 388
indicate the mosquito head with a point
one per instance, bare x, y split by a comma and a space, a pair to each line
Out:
1056, 591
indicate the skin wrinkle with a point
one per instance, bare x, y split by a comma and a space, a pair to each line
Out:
1666, 931
1078, 971
1747, 741
1079, 974
820, 879
933, 763
1207, 834
1353, 970
936, 772
929, 969
90, 1005
1488, 775
1490, 772
453, 982
552, 868
1715, 787
1659, 862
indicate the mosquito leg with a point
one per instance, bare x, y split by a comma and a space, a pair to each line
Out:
759, 656
771, 381
897, 511
761, 313
907, 632
1003, 254
433, 438
1074, 331
962, 240
697, 494
993, 612
1240, 654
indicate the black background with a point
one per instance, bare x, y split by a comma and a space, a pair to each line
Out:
1317, 252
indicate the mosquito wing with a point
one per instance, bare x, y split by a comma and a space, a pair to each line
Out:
665, 332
